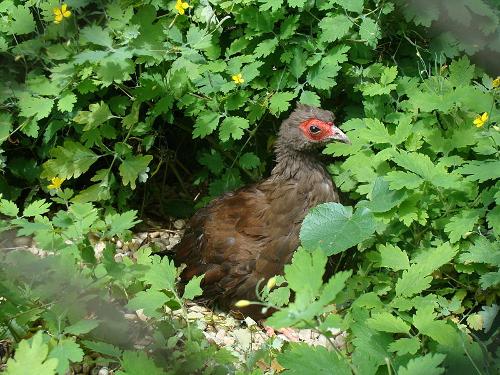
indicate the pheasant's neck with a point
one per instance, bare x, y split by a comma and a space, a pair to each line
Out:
297, 165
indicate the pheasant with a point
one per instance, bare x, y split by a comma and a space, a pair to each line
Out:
247, 236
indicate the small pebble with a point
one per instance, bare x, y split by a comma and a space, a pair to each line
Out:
119, 244
103, 371
154, 234
179, 224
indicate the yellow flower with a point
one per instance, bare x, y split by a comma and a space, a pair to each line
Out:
238, 78
56, 183
61, 13
480, 120
496, 82
181, 6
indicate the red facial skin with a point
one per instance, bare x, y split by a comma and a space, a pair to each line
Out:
325, 132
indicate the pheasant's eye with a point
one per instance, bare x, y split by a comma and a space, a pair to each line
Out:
314, 129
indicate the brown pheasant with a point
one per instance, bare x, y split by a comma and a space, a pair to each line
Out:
248, 235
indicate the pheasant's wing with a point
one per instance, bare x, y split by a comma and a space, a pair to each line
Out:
240, 239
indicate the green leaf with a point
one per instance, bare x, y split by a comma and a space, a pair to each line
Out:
97, 35
388, 75
413, 281
205, 124
296, 3
334, 228
8, 208
322, 75
405, 346
387, 322
383, 199
72, 159
355, 6
97, 115
35, 208
393, 257
32, 354
428, 365
274, 5
81, 327
36, 107
310, 98
5, 126
482, 251
66, 102
265, 48
138, 363
103, 348
334, 28
197, 38
400, 180
334, 286
369, 31
120, 223
149, 301
280, 102
132, 167
192, 288
425, 321
66, 351
306, 271
161, 274
462, 224
249, 160
493, 218
461, 72
22, 21
481, 170
232, 127
302, 359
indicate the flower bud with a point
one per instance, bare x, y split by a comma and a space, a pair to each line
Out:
242, 303
271, 283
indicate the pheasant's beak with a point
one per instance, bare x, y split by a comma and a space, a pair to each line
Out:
338, 135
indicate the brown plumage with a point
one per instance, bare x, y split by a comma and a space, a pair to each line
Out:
248, 235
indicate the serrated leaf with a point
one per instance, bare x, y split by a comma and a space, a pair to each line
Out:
149, 301
322, 75
334, 28
280, 102
393, 257
249, 160
97, 35
32, 354
405, 346
72, 159
279, 296
205, 124
232, 127
22, 21
350, 5
197, 38
132, 167
382, 198
265, 47
425, 321
81, 327
334, 228
306, 271
387, 322
66, 351
403, 180
310, 98
120, 223
481, 170
103, 348
192, 288
138, 363
460, 225
36, 107
334, 286
97, 115
38, 207
302, 359
482, 251
66, 102
412, 281
461, 72
369, 31
8, 208
428, 365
